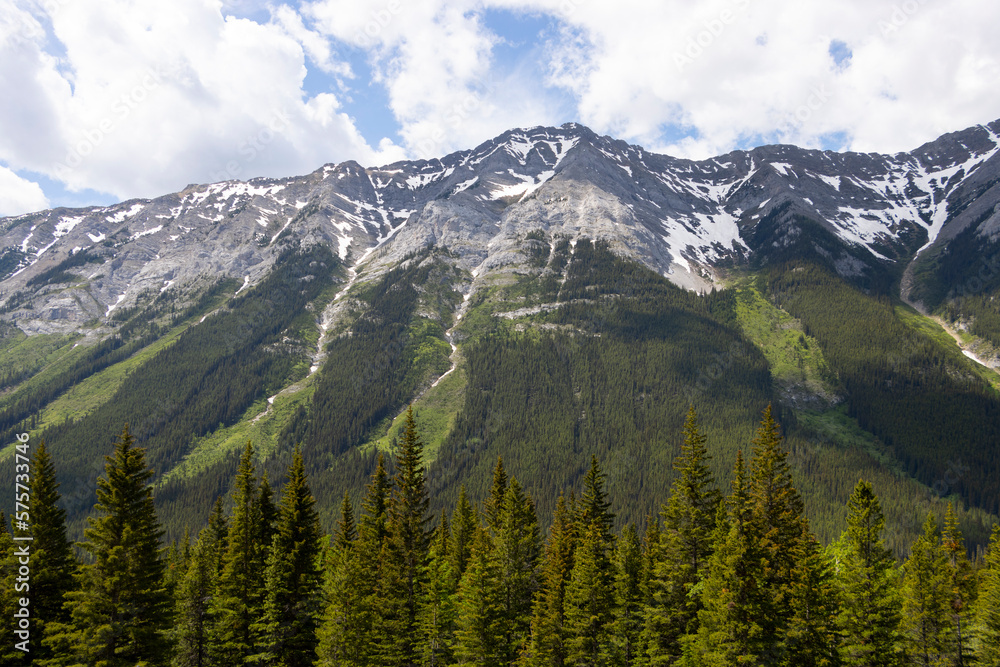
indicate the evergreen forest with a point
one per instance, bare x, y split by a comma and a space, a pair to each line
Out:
723, 573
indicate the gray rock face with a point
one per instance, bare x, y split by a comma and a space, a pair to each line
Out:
685, 219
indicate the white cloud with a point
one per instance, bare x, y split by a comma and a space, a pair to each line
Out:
138, 98
730, 72
150, 97
18, 195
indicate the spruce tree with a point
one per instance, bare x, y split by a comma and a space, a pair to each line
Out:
121, 610
404, 552
194, 594
626, 628
516, 551
548, 633
684, 549
350, 631
986, 624
52, 560
590, 601
293, 601
961, 590
730, 630
479, 631
925, 598
493, 505
810, 637
239, 597
868, 586
437, 614
345, 631
594, 506
463, 530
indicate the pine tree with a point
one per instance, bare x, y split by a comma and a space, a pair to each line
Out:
986, 627
437, 613
868, 585
626, 628
925, 598
121, 610
961, 590
685, 546
405, 551
52, 560
293, 602
239, 597
345, 631
548, 633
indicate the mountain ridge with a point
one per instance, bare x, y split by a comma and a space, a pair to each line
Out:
688, 220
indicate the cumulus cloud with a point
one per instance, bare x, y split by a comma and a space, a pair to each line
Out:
18, 195
147, 97
137, 98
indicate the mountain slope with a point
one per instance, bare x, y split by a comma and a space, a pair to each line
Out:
520, 295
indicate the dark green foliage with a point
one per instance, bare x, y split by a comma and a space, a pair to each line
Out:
590, 601
868, 583
52, 558
404, 552
921, 399
287, 631
986, 631
120, 609
631, 353
478, 633
516, 550
60, 272
548, 631
346, 625
437, 615
685, 544
626, 628
239, 597
960, 589
463, 529
372, 373
925, 599
11, 591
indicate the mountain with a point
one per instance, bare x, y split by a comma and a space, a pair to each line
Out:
524, 296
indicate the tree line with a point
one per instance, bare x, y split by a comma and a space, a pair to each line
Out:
717, 579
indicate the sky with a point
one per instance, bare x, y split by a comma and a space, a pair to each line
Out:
104, 101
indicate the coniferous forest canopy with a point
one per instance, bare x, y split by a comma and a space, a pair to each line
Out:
723, 574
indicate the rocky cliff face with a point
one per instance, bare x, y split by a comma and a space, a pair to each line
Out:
689, 220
